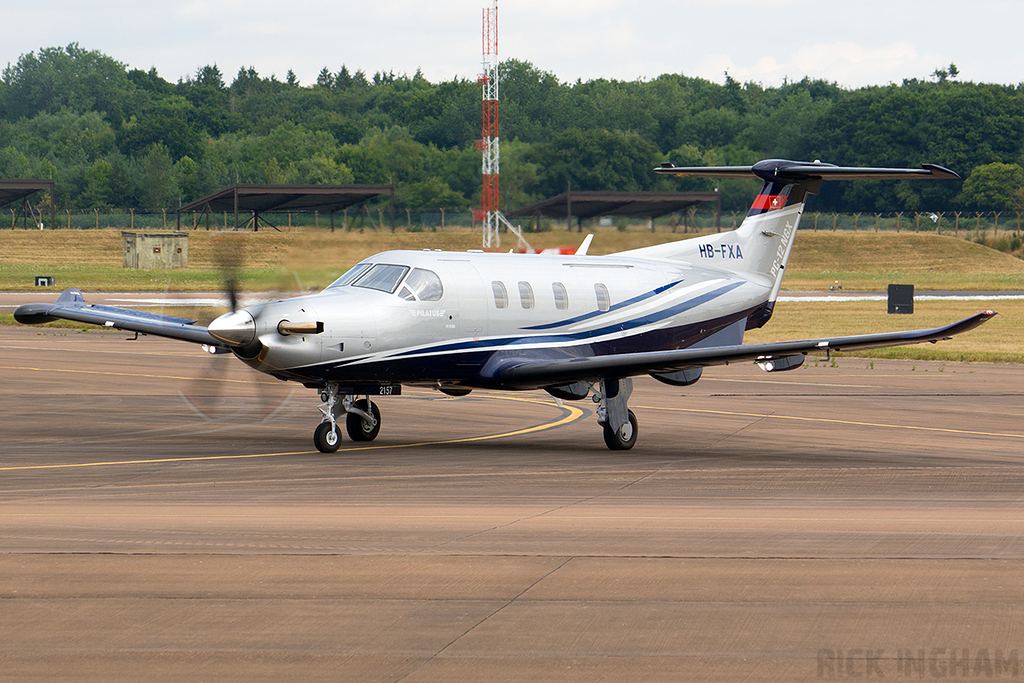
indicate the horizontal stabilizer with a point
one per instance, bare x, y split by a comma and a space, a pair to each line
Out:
780, 170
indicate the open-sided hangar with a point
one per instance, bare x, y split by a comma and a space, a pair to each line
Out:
13, 191
257, 200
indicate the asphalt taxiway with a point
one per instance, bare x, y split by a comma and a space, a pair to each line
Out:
164, 516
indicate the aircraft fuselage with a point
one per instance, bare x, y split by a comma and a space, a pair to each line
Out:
562, 306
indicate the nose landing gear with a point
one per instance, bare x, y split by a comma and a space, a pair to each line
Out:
362, 419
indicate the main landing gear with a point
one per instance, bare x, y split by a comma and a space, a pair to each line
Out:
618, 421
362, 419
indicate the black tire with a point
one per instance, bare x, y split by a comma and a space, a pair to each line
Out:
327, 440
358, 428
622, 439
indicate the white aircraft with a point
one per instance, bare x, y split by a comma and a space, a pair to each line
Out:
572, 325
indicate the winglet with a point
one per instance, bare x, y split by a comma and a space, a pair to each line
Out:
582, 251
70, 296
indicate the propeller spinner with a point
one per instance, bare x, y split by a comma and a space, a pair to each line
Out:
237, 328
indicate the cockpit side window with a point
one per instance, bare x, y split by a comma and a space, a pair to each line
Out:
424, 284
383, 277
351, 275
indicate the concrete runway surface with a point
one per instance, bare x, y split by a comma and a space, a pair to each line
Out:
164, 516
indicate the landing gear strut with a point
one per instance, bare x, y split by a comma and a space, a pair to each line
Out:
618, 421
362, 419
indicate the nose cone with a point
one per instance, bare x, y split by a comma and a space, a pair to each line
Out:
236, 328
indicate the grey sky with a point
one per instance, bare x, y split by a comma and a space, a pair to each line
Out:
852, 42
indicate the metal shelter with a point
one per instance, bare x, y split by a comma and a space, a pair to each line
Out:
257, 200
13, 191
584, 205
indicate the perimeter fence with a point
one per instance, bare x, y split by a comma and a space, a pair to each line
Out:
969, 225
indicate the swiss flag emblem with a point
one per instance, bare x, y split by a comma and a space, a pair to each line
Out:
769, 202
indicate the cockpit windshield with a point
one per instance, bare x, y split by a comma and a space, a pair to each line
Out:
351, 275
420, 285
383, 277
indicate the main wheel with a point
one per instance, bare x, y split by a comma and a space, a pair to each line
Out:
360, 429
621, 439
326, 439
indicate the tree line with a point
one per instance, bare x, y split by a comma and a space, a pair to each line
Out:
114, 136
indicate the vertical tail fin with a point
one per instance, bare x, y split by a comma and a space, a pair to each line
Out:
760, 247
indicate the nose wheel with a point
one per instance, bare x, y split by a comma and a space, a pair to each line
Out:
326, 437
362, 419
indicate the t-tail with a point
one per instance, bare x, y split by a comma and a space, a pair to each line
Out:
759, 249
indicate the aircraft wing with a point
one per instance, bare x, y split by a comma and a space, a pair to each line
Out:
523, 372
71, 305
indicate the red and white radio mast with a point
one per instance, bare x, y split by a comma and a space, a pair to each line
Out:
489, 144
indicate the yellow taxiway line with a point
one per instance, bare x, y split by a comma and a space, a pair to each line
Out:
572, 414
826, 420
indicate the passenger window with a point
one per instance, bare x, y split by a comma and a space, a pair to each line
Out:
526, 295
500, 294
561, 296
424, 284
604, 300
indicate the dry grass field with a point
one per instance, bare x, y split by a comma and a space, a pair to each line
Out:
91, 259
872, 260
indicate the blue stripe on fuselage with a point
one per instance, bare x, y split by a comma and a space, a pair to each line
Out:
654, 317
465, 367
593, 314
661, 314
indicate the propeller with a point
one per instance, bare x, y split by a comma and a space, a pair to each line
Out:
229, 255
236, 328
231, 287
225, 388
